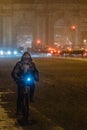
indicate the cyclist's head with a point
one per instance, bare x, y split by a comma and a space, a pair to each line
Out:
26, 57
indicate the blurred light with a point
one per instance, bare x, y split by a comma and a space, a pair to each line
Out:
86, 50
9, 52
1, 52
38, 41
15, 52
28, 79
84, 40
73, 27
49, 48
59, 51
49, 54
69, 49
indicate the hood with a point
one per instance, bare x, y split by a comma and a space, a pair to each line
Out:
26, 55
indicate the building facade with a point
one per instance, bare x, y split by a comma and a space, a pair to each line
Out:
38, 24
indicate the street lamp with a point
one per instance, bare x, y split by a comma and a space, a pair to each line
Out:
38, 41
38, 44
73, 27
74, 34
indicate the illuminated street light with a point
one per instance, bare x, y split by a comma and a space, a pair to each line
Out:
73, 27
74, 35
38, 41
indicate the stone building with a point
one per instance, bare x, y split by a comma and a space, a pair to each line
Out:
25, 22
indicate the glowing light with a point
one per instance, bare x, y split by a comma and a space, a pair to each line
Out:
9, 52
58, 51
15, 52
38, 41
73, 27
28, 79
86, 50
1, 52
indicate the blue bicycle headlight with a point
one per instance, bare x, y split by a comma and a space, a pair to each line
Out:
28, 79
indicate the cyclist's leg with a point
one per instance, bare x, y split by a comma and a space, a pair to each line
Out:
18, 107
32, 91
26, 105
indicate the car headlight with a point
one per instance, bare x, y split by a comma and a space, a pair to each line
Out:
9, 52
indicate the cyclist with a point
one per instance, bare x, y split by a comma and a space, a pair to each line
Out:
19, 69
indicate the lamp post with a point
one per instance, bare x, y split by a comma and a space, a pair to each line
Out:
38, 44
74, 33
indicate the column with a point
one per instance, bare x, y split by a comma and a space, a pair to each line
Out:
7, 31
49, 31
39, 30
1, 32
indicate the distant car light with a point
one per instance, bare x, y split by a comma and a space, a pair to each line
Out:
1, 52
8, 52
49, 54
15, 52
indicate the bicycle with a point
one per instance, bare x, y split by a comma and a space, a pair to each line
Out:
27, 81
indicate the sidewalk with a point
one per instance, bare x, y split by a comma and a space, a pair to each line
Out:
6, 123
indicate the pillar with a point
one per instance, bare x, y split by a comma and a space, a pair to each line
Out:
7, 31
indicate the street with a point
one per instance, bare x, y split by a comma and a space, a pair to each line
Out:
60, 97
